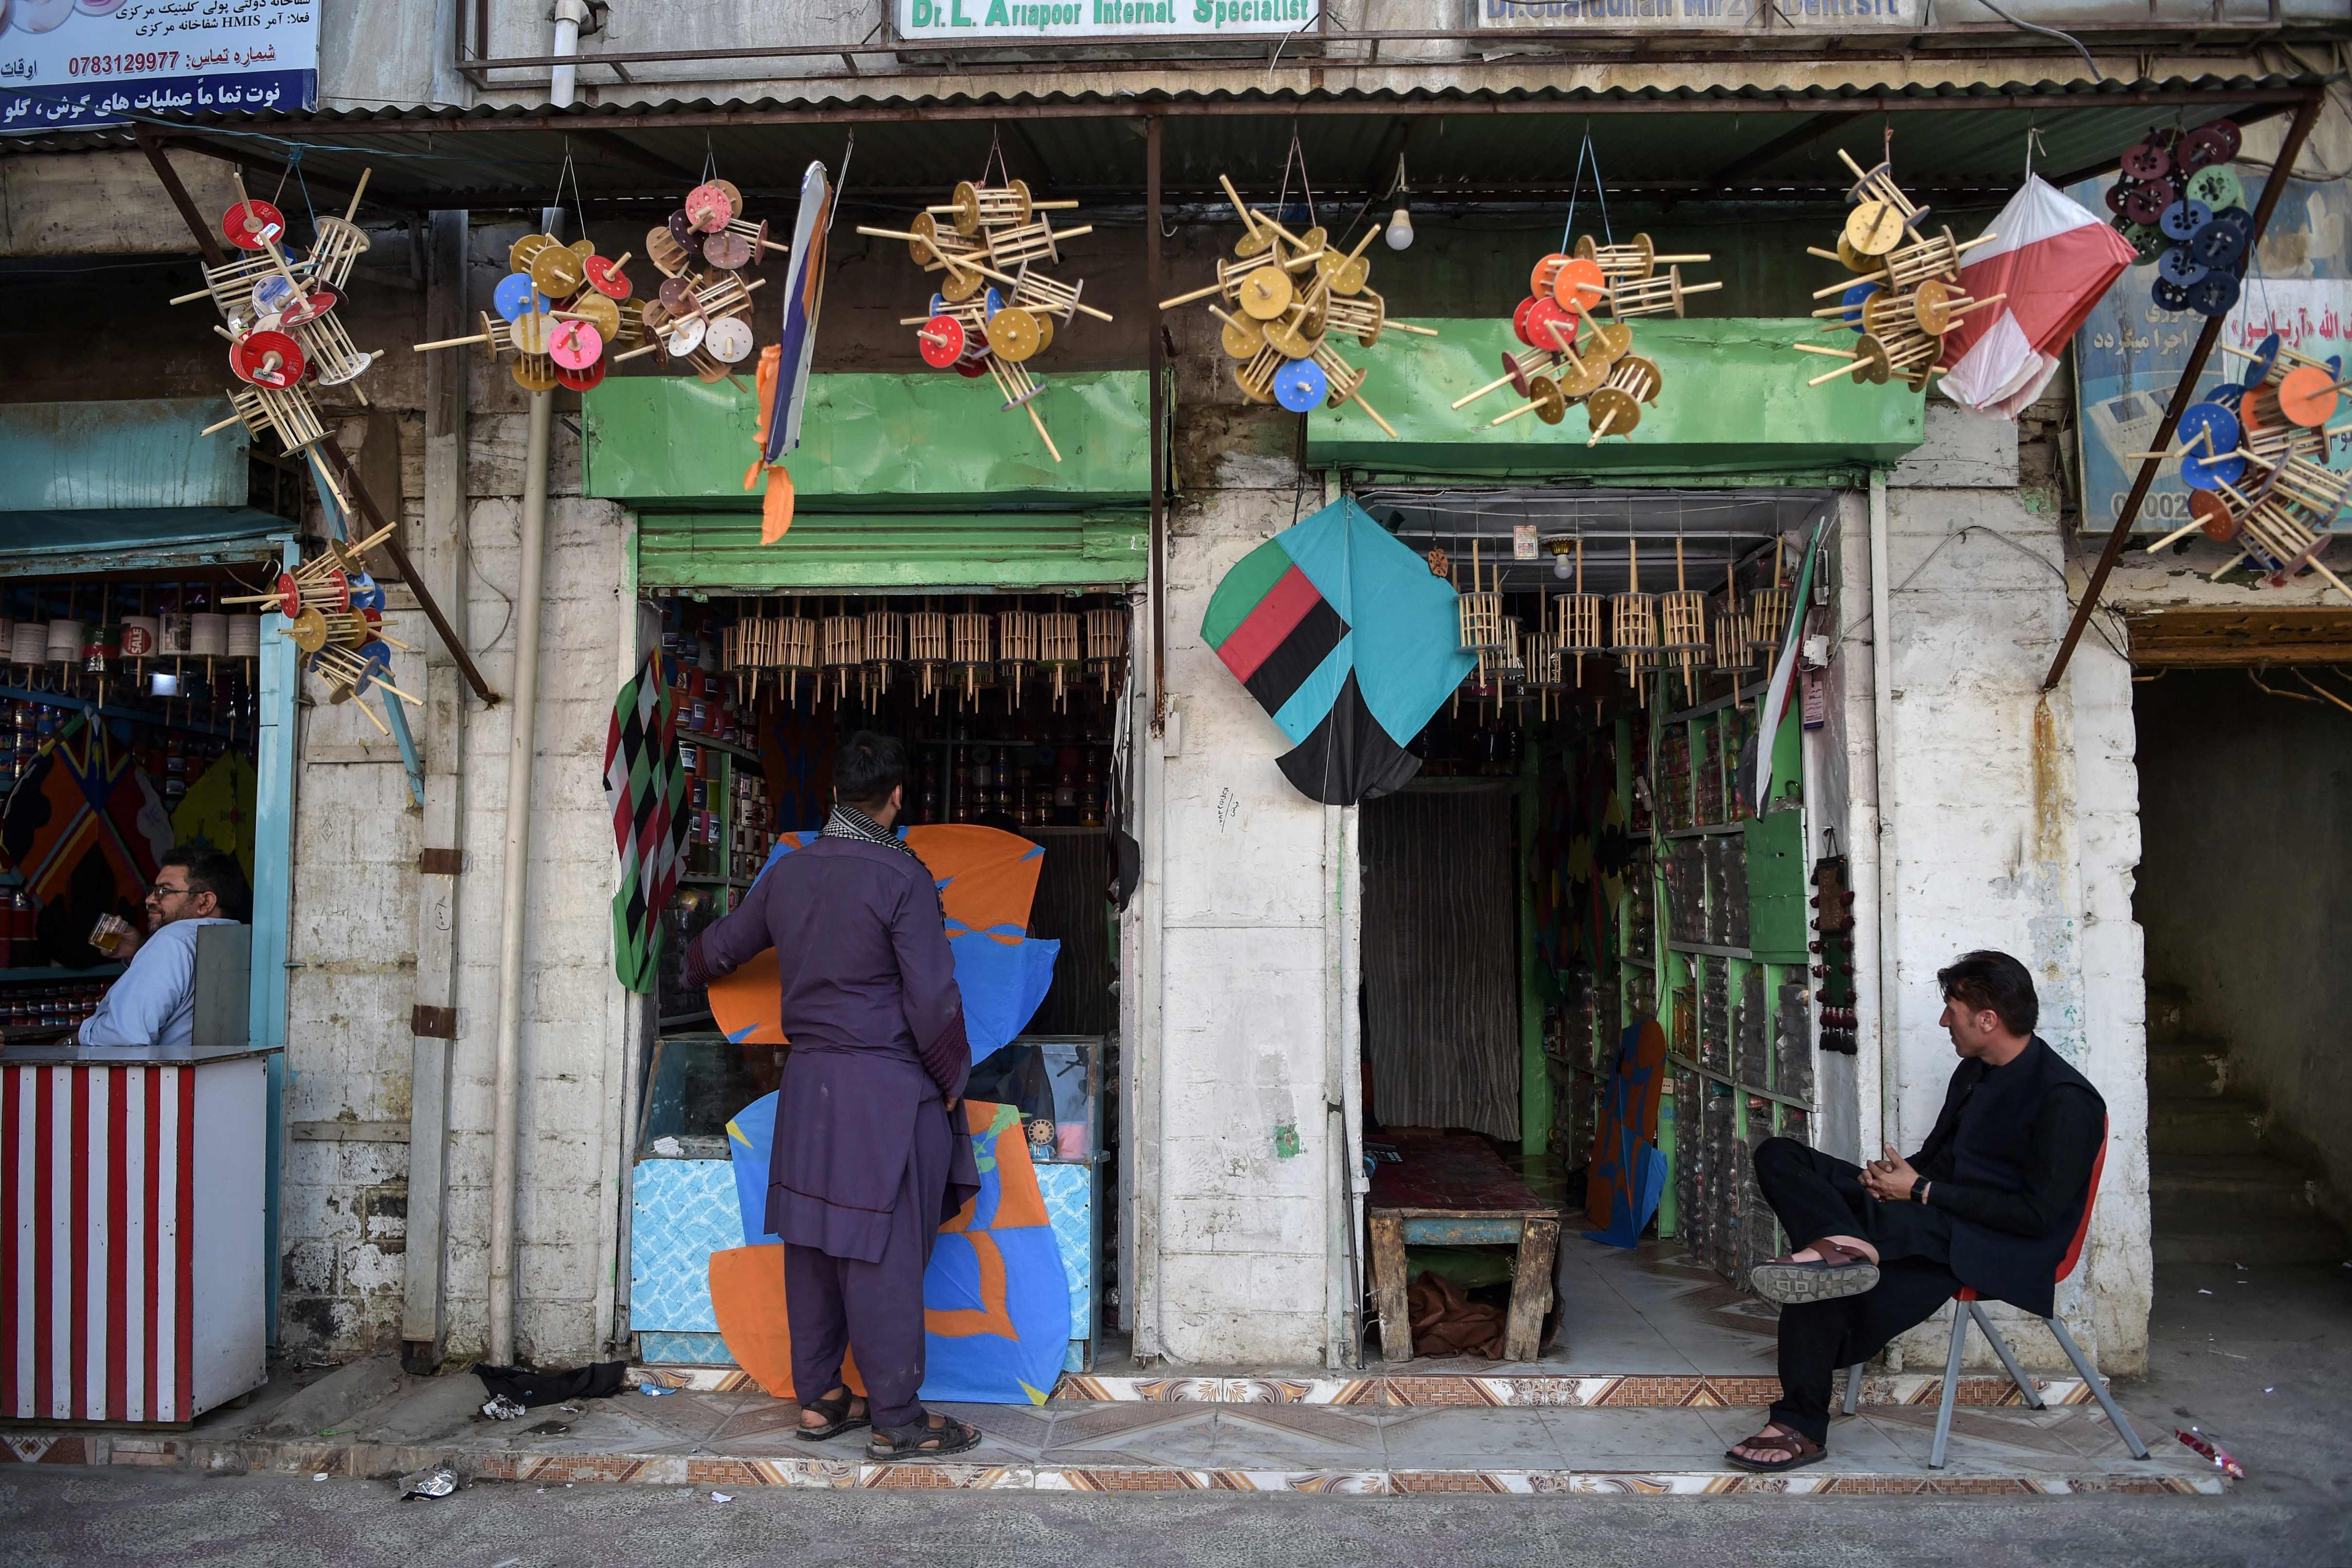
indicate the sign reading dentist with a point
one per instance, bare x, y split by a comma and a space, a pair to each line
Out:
72, 64
920, 21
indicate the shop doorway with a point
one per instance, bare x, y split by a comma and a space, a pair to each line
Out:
1009, 710
1573, 860
2245, 822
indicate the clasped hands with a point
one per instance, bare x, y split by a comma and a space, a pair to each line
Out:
1889, 1180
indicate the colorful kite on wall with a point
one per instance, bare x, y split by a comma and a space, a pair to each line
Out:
996, 1304
646, 790
1628, 1175
84, 827
784, 364
1346, 638
218, 810
987, 879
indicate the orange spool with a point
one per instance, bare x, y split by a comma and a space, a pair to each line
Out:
2213, 515
2307, 396
1578, 284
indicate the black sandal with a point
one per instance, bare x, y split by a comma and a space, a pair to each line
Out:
1797, 1451
837, 1418
922, 1440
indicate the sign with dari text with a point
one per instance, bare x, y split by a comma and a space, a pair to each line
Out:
1098, 21
1643, 15
72, 64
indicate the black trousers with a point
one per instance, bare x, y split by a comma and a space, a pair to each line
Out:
1817, 1195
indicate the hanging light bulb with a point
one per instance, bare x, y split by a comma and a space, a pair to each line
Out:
1559, 567
1399, 229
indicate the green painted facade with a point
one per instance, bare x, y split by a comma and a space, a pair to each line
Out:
872, 443
1734, 408
865, 551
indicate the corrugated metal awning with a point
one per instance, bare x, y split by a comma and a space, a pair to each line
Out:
1749, 143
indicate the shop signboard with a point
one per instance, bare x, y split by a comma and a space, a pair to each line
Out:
1098, 21
1644, 15
73, 64
2129, 354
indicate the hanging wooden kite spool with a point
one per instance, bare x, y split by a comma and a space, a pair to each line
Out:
1581, 621
1683, 633
1021, 391
334, 358
1479, 620
1735, 641
1048, 295
1909, 265
972, 652
1615, 407
282, 412
843, 641
1882, 213
1017, 647
1347, 383
886, 649
927, 650
1058, 652
1633, 621
796, 652
1655, 295
1769, 610
230, 285
1631, 262
1014, 248
1106, 645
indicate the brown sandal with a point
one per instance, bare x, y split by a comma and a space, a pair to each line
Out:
922, 1440
1797, 1449
1836, 1274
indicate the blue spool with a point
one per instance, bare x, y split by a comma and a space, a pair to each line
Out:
2208, 429
2183, 218
1853, 299
367, 593
1300, 385
2258, 369
2180, 267
514, 297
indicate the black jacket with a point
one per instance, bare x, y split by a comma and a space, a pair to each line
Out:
2010, 1161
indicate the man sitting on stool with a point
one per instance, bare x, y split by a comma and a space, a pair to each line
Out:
1990, 1200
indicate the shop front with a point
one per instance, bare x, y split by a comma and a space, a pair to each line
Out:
146, 709
976, 607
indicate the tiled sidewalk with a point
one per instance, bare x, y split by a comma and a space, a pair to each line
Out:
741, 1437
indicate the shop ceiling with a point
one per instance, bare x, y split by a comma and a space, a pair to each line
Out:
2233, 638
1954, 146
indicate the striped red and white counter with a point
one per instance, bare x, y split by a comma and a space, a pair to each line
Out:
130, 1238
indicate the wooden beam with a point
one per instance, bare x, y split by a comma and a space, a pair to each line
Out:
2242, 655
2182, 396
377, 523
1739, 168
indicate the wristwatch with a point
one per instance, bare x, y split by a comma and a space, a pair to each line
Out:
1919, 1189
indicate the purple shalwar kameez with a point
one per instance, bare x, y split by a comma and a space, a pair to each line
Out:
868, 1159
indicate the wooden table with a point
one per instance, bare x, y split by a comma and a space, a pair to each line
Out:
1450, 1189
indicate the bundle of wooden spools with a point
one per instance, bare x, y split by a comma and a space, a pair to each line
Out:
996, 306
2254, 457
1904, 293
564, 312
966, 652
334, 615
1646, 633
277, 314
1575, 357
1280, 301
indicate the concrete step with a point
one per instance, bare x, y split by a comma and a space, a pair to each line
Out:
2250, 1239
2192, 1068
2223, 1126
2252, 1181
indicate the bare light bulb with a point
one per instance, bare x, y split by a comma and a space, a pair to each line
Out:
1399, 229
1559, 567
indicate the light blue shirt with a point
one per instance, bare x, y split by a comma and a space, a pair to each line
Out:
155, 1002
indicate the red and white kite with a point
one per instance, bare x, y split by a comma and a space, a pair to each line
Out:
2053, 259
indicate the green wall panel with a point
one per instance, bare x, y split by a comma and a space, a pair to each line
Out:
872, 443
1735, 405
853, 550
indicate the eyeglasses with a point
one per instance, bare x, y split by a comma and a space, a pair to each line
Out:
160, 891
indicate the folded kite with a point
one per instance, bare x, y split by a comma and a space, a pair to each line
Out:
996, 1304
987, 879
1349, 640
2053, 259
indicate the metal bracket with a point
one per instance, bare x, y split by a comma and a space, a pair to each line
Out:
433, 1022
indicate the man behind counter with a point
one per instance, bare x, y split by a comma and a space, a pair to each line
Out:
154, 1002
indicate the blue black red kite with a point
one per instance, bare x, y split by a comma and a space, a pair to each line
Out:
1347, 638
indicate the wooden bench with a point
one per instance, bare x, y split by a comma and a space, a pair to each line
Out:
1450, 1189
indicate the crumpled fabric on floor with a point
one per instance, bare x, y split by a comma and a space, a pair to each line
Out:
1445, 1321
531, 1389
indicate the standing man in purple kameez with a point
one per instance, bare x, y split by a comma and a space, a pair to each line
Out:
871, 1154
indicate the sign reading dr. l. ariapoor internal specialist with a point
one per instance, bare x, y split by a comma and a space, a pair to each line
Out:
922, 21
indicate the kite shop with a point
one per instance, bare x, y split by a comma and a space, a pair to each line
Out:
1597, 827
995, 643
142, 711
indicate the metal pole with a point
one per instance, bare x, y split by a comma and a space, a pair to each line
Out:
1156, 362
2182, 396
